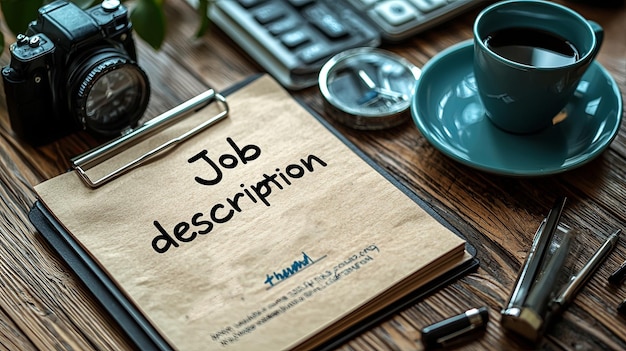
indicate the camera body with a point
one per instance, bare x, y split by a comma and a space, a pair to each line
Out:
75, 69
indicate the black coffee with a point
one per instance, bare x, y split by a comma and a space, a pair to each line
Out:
532, 47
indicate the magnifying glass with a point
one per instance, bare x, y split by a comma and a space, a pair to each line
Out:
368, 88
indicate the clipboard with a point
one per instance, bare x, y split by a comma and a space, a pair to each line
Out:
139, 329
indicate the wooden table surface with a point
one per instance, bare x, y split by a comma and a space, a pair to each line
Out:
44, 306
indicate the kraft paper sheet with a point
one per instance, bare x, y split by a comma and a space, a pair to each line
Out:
287, 237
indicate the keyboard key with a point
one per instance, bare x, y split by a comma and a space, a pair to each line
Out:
300, 3
428, 5
250, 3
282, 26
313, 53
326, 21
396, 12
367, 3
269, 13
294, 38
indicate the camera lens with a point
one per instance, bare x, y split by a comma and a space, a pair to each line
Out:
113, 96
112, 92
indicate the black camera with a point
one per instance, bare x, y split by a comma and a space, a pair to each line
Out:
75, 69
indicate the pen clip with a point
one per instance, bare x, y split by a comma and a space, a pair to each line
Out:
532, 264
446, 338
475, 321
443, 332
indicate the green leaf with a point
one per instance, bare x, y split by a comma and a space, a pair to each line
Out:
1, 42
19, 13
149, 21
203, 14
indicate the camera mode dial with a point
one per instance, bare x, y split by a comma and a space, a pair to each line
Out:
110, 5
30, 48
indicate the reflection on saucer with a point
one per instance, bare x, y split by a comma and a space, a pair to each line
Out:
592, 106
449, 114
560, 117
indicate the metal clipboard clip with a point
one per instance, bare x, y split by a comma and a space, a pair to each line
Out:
81, 164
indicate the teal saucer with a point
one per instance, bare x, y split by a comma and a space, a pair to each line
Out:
448, 112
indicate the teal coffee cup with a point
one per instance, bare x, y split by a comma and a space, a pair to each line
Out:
529, 56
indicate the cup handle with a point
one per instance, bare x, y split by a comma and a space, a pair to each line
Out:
599, 32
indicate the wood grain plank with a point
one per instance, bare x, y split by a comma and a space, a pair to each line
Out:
44, 306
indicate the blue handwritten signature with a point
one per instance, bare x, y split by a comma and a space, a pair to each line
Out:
297, 266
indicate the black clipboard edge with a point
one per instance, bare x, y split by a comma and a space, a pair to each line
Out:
135, 325
146, 337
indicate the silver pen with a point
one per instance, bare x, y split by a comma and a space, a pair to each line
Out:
539, 295
570, 290
515, 316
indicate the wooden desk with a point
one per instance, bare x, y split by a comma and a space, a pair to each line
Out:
43, 305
